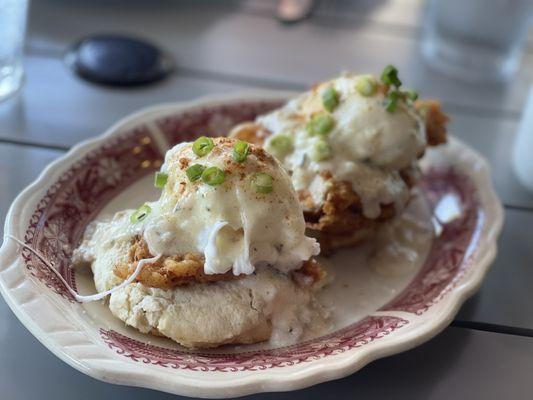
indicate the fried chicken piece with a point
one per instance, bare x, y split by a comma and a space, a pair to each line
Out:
310, 273
168, 272
340, 221
435, 120
250, 132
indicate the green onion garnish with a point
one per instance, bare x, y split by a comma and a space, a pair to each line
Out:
411, 94
389, 76
160, 180
202, 146
140, 213
194, 172
392, 101
279, 145
262, 183
320, 124
240, 151
213, 176
321, 151
366, 86
330, 98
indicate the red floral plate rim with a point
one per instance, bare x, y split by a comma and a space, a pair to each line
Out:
83, 183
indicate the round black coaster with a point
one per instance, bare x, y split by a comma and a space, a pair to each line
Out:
117, 60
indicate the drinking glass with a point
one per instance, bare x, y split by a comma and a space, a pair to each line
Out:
522, 160
476, 39
12, 30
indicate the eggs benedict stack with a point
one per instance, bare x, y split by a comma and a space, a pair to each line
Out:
228, 259
351, 146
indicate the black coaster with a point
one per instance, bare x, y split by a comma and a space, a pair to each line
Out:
116, 60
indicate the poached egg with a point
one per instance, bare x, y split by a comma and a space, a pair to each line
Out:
237, 225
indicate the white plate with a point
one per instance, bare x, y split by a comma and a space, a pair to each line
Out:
375, 315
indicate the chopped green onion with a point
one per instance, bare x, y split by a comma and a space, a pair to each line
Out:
392, 101
320, 124
202, 146
262, 183
240, 151
160, 180
279, 145
389, 76
330, 98
366, 86
140, 213
213, 176
321, 151
411, 94
194, 172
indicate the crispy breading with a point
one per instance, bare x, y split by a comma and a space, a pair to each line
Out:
309, 273
250, 132
435, 121
339, 221
168, 272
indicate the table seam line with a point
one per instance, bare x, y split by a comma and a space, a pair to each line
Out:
493, 328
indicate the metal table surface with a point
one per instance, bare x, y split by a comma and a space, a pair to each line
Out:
227, 46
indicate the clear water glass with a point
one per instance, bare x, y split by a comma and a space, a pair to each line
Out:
12, 31
476, 39
522, 160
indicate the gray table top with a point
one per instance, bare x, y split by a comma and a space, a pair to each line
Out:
238, 45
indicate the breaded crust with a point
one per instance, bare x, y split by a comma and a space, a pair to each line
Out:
435, 121
250, 132
172, 271
167, 272
340, 222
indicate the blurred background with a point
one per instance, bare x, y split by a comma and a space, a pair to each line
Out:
69, 69
475, 56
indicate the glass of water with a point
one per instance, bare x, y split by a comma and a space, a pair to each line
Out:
476, 39
12, 31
